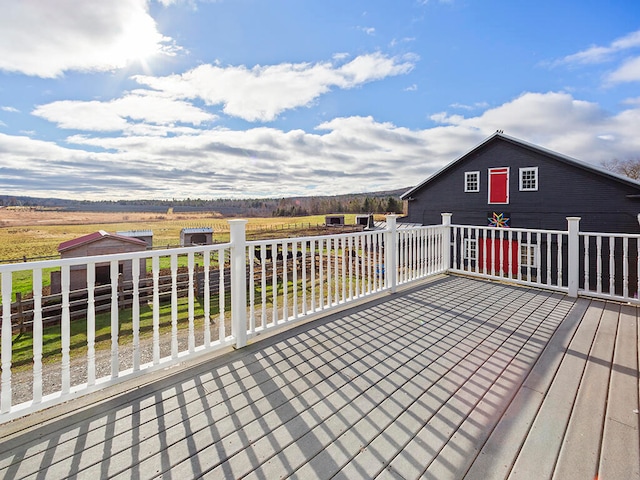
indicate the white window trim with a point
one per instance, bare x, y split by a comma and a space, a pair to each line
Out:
531, 254
470, 245
489, 202
528, 169
466, 181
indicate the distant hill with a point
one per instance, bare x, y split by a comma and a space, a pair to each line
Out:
373, 202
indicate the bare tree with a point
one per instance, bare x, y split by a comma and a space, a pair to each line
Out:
629, 167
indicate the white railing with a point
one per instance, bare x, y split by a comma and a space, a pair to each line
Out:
528, 257
121, 316
610, 266
603, 265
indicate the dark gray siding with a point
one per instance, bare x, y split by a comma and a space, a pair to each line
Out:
564, 189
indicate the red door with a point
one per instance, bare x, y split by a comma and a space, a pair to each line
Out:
499, 185
489, 256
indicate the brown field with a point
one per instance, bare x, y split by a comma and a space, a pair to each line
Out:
31, 216
33, 233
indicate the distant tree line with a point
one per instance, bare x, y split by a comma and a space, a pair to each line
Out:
376, 202
299, 207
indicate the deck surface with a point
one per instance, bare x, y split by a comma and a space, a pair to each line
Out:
457, 378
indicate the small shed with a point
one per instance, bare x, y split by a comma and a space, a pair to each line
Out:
97, 243
196, 236
334, 220
145, 235
365, 221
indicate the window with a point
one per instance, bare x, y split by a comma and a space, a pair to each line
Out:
499, 185
470, 249
529, 179
528, 255
471, 181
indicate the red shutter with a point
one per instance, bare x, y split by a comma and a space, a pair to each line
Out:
499, 185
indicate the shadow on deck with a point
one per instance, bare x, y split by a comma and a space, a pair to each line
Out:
457, 378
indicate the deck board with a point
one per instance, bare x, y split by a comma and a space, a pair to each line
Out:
457, 378
580, 450
620, 454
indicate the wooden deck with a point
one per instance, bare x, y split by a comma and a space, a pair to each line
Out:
458, 378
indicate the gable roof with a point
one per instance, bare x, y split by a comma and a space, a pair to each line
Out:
498, 136
94, 237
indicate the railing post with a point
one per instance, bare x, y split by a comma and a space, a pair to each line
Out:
573, 255
391, 257
238, 241
446, 240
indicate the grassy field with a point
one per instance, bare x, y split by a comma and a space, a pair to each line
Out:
36, 233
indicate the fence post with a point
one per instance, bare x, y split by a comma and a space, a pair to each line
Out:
238, 240
574, 255
446, 240
391, 241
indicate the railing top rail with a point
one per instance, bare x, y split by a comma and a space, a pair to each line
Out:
512, 229
601, 234
13, 267
272, 241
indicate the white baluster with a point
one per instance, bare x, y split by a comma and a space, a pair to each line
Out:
91, 323
343, 275
285, 281
155, 271
274, 281
115, 317
191, 300
560, 273
612, 266
37, 335
587, 263
252, 290
312, 273
222, 331
135, 313
206, 260
174, 305
625, 267
321, 272
263, 283
549, 238
7, 350
294, 263
599, 264
303, 247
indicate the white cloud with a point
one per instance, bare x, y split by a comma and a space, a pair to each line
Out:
628, 72
368, 30
475, 106
558, 121
598, 54
346, 154
46, 38
120, 115
9, 109
263, 92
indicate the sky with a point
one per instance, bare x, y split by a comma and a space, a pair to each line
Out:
164, 99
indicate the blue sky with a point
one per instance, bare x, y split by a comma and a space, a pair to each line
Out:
170, 99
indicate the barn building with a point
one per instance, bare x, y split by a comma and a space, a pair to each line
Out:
508, 182
505, 182
97, 243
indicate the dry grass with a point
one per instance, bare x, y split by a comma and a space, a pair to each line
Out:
35, 232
